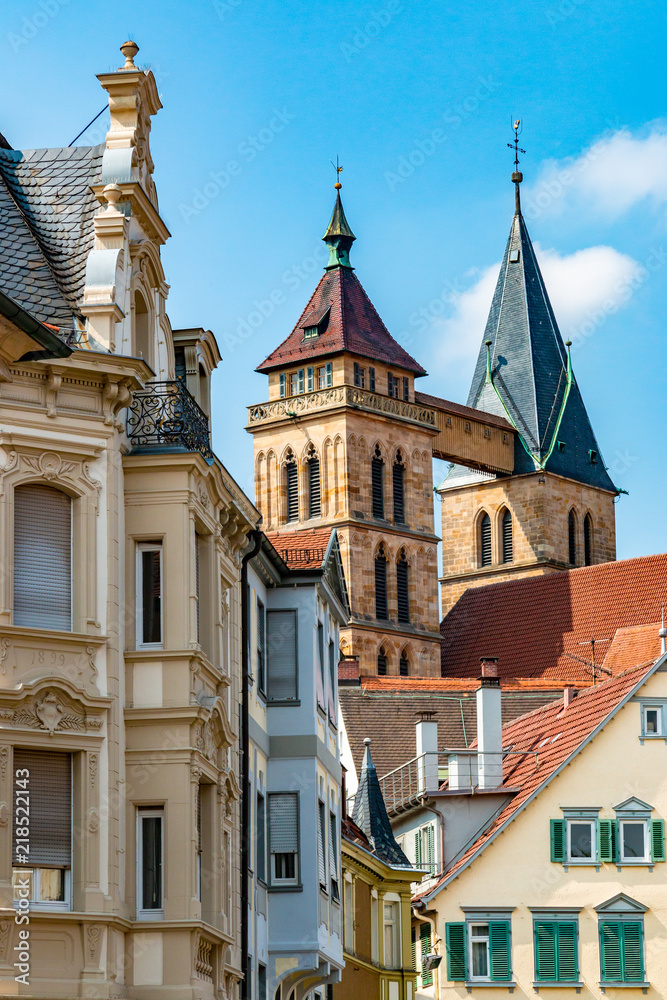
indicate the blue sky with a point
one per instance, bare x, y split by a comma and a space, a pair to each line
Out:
417, 99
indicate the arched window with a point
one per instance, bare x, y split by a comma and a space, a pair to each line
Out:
42, 557
485, 540
377, 483
508, 548
314, 493
404, 665
381, 584
399, 498
382, 662
142, 343
572, 537
588, 540
292, 484
402, 588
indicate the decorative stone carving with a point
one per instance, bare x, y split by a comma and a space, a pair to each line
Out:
4, 761
5, 813
95, 483
93, 760
51, 714
49, 465
5, 645
53, 383
5, 938
93, 821
93, 938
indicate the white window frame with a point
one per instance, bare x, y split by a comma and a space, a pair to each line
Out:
278, 881
45, 904
582, 821
646, 859
348, 913
375, 927
149, 813
660, 711
472, 937
395, 925
152, 546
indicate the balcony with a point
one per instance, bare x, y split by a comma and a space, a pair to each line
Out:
335, 397
165, 416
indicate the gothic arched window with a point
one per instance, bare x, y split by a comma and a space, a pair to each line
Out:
377, 483
399, 491
485, 541
292, 486
572, 537
404, 665
314, 491
588, 540
382, 662
381, 584
402, 588
507, 540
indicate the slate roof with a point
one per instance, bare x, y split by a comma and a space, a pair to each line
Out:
386, 709
370, 815
554, 734
529, 370
46, 232
353, 325
536, 625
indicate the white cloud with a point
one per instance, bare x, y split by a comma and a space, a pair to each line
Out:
584, 287
612, 175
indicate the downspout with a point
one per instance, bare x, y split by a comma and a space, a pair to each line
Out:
256, 536
434, 939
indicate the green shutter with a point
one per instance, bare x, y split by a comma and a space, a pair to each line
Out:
455, 944
657, 840
545, 950
414, 954
425, 941
430, 840
499, 946
633, 948
558, 841
418, 849
568, 966
611, 935
606, 840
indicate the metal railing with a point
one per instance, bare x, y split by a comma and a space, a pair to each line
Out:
165, 415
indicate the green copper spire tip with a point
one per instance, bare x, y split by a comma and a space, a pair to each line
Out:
338, 237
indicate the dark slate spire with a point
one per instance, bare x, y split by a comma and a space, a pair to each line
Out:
338, 237
524, 373
370, 815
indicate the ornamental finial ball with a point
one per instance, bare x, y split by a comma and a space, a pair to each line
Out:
338, 185
129, 50
367, 741
517, 177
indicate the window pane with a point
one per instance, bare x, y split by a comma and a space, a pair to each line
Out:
151, 862
151, 596
651, 720
480, 964
634, 840
581, 840
19, 887
52, 885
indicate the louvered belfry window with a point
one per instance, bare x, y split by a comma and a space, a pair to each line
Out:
42, 557
588, 540
402, 588
399, 498
50, 787
377, 476
381, 585
382, 663
508, 548
485, 540
572, 537
292, 483
314, 492
404, 666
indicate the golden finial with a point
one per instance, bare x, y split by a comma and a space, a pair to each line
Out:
337, 167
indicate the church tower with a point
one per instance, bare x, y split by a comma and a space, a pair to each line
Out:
556, 509
342, 442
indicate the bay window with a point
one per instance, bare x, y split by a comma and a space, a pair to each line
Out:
150, 863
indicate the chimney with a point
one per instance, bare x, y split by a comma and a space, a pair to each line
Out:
426, 733
569, 694
489, 725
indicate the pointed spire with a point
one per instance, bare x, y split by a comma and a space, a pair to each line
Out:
370, 814
338, 237
517, 176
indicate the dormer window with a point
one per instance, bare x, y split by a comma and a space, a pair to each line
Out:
311, 332
514, 256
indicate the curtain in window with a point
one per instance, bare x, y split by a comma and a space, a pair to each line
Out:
42, 557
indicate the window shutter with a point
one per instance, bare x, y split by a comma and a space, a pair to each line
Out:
485, 538
398, 471
380, 587
402, 589
282, 661
508, 551
414, 955
657, 840
314, 504
301, 379
455, 945
377, 470
545, 951
329, 374
430, 843
284, 822
310, 379
633, 948
418, 849
42, 557
50, 787
607, 840
292, 478
371, 379
568, 966
406, 388
425, 941
333, 863
321, 869
283, 385
499, 947
558, 841
611, 934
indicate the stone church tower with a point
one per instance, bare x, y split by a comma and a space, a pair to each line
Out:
556, 510
342, 442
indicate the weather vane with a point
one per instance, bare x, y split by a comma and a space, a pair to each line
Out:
515, 145
337, 167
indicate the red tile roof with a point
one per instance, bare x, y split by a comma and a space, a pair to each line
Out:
633, 646
353, 325
549, 735
301, 549
541, 626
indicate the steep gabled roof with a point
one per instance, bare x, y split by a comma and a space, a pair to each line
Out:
526, 376
370, 815
314, 549
46, 232
551, 737
537, 625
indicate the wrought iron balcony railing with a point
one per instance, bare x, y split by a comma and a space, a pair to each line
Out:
165, 415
